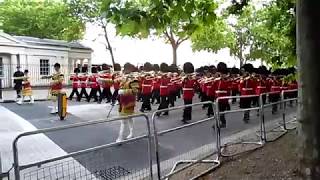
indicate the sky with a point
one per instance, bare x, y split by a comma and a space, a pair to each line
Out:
153, 50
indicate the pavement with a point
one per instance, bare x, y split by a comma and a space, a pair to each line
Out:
127, 158
39, 94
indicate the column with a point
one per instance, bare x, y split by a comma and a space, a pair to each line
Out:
89, 65
13, 68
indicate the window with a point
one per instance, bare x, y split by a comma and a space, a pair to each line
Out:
1, 66
44, 67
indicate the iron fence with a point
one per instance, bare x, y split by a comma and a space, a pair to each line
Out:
97, 163
91, 163
169, 167
35, 73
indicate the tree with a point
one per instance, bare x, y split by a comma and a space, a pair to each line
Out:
43, 19
97, 12
309, 83
235, 36
175, 20
213, 37
274, 34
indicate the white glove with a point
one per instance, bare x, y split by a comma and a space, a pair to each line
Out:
121, 91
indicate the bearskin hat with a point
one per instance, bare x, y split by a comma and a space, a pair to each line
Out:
128, 68
116, 67
222, 68
188, 68
164, 67
76, 70
156, 67
94, 70
263, 70
148, 67
234, 70
105, 67
84, 69
248, 68
173, 68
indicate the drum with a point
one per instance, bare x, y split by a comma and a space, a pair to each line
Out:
62, 105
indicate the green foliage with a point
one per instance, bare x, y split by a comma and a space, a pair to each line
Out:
43, 19
213, 37
174, 20
274, 34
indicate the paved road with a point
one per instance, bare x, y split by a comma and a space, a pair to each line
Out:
131, 156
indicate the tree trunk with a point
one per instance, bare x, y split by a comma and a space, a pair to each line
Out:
108, 47
308, 45
174, 53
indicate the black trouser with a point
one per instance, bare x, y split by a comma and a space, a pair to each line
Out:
223, 106
18, 88
204, 98
171, 99
106, 93
146, 105
156, 96
187, 111
115, 96
93, 94
163, 103
178, 93
84, 92
74, 91
245, 103
139, 96
210, 108
272, 99
234, 93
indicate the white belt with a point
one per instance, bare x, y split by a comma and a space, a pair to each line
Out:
275, 86
262, 87
163, 86
146, 85
247, 89
221, 91
187, 89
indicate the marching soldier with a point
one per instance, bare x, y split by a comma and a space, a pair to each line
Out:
18, 82
164, 92
75, 84
26, 88
188, 85
127, 97
221, 87
105, 79
116, 82
156, 90
56, 86
93, 84
83, 84
246, 88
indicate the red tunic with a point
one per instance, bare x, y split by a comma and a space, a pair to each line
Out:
261, 87
156, 84
83, 81
246, 87
93, 83
75, 81
188, 88
106, 81
164, 86
221, 89
146, 87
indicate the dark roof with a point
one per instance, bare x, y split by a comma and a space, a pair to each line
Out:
51, 42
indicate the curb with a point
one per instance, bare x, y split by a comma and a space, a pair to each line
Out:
13, 101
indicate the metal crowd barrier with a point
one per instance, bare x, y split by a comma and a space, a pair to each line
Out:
190, 162
285, 100
85, 175
280, 129
259, 143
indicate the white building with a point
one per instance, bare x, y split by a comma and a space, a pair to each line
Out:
38, 56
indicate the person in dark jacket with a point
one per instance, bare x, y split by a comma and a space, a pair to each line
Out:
18, 82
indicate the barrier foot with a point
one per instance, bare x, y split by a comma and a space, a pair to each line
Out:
190, 163
256, 145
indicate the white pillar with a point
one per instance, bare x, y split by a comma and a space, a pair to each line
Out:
13, 64
89, 65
